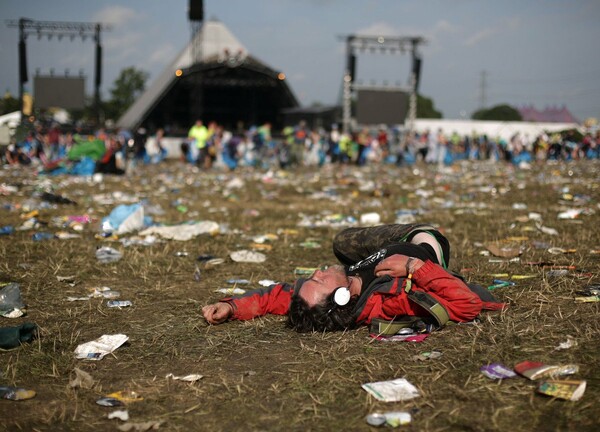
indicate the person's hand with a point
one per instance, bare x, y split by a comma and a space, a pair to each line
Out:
217, 313
395, 266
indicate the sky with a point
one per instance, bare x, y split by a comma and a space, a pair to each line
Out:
478, 53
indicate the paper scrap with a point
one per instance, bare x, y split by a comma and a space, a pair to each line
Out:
188, 378
99, 348
392, 391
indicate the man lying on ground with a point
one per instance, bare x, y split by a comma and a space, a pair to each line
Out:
387, 272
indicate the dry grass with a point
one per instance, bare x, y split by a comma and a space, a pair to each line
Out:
260, 376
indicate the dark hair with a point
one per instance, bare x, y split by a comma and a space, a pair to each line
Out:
322, 317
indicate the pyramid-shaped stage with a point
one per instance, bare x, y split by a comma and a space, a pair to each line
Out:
213, 78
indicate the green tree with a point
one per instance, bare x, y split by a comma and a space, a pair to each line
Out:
502, 112
425, 108
128, 86
9, 104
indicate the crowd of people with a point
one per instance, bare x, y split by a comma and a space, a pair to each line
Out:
299, 145
212, 145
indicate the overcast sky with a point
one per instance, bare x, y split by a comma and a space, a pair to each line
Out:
540, 52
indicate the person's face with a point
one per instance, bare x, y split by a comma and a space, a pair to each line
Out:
322, 283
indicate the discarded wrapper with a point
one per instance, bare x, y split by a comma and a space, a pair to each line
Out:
213, 262
590, 290
310, 245
500, 284
238, 281
137, 427
122, 415
547, 230
264, 238
392, 391
188, 378
247, 256
82, 379
109, 402
205, 257
390, 418
428, 355
536, 370
99, 348
183, 232
15, 393
231, 291
261, 246
103, 292
107, 255
559, 251
11, 304
569, 343
570, 214
562, 389
503, 251
118, 303
497, 371
197, 274
303, 271
126, 396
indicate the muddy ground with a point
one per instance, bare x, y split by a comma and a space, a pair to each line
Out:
258, 375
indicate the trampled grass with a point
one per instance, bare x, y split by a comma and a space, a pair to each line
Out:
258, 375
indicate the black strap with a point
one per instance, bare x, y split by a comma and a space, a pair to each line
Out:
438, 312
434, 307
380, 326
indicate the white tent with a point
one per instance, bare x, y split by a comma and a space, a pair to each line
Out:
8, 123
493, 129
11, 120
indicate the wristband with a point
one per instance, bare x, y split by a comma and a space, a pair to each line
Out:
409, 275
408, 266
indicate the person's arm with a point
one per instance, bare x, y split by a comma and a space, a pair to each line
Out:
461, 303
272, 300
217, 313
398, 266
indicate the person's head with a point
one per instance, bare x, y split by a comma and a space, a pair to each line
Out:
314, 306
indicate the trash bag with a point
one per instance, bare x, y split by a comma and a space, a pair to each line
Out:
10, 298
91, 149
86, 167
12, 337
124, 218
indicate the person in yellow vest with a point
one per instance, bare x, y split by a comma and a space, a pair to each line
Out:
199, 135
345, 141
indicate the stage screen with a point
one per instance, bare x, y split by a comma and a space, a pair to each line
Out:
381, 106
61, 92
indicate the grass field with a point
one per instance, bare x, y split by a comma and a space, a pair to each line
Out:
259, 375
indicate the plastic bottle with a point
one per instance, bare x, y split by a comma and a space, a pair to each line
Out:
6, 230
39, 236
118, 303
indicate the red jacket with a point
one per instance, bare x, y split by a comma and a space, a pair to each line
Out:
384, 298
